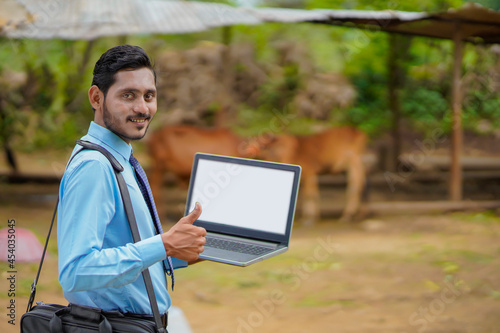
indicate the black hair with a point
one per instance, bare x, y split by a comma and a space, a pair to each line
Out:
118, 58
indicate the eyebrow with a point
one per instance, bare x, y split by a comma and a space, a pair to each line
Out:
135, 90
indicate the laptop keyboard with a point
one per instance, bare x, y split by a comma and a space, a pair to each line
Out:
224, 244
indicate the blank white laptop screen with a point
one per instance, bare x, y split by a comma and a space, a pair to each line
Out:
243, 195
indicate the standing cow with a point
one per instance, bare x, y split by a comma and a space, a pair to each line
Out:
172, 149
331, 151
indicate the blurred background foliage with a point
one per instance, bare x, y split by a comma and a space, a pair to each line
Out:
43, 95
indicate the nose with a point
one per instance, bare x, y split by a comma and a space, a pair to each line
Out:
140, 106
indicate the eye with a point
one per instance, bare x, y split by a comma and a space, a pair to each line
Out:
149, 96
128, 95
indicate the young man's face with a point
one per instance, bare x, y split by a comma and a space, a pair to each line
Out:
129, 105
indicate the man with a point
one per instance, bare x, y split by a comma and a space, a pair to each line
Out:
99, 265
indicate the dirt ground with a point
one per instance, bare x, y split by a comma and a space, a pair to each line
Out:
427, 273
388, 273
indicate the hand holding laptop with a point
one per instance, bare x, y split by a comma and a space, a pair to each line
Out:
184, 240
248, 206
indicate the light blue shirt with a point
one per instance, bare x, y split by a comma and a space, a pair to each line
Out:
99, 265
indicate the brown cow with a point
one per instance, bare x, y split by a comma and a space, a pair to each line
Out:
172, 149
331, 151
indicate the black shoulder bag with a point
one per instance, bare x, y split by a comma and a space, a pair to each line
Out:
57, 318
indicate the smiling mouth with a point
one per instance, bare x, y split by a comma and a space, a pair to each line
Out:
139, 120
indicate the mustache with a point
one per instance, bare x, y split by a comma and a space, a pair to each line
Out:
140, 115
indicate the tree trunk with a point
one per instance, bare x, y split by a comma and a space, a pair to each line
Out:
398, 55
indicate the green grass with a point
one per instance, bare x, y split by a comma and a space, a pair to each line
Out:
486, 217
319, 300
472, 256
447, 266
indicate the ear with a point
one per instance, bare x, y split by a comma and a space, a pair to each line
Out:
96, 97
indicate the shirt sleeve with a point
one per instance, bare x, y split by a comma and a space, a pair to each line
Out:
178, 263
86, 209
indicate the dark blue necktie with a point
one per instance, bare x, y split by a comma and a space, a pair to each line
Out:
148, 196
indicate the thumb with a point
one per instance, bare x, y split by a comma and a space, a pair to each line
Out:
193, 216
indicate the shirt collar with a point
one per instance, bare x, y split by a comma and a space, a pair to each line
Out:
105, 137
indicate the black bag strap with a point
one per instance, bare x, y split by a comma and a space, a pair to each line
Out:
118, 168
35, 282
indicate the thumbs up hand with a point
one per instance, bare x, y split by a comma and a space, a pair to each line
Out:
184, 240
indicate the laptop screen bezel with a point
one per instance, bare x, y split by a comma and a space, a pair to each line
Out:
238, 231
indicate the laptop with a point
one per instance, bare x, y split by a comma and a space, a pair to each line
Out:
247, 206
